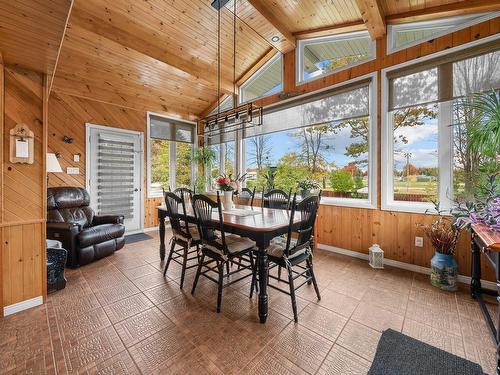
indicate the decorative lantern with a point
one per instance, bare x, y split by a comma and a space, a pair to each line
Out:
376, 256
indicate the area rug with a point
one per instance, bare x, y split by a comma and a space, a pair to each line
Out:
398, 354
133, 238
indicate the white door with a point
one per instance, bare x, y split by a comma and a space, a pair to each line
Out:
114, 173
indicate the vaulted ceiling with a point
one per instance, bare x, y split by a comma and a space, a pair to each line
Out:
161, 55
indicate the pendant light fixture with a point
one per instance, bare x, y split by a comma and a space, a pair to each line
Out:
239, 117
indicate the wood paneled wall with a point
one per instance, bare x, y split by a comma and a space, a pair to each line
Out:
68, 116
22, 193
357, 229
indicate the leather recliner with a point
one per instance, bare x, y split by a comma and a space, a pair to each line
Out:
86, 236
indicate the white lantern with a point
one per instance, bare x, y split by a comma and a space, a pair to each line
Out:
376, 256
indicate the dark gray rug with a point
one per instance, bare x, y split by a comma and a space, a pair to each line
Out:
132, 238
398, 354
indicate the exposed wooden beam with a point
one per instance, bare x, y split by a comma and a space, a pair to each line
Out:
447, 10
52, 74
194, 67
373, 16
277, 28
331, 30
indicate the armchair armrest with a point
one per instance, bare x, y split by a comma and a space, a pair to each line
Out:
108, 219
67, 233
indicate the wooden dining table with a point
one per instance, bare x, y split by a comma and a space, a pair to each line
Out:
261, 226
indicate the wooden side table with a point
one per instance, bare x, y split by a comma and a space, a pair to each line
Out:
487, 242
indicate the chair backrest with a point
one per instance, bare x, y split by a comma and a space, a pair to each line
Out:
178, 218
307, 209
203, 208
276, 198
246, 196
69, 205
185, 193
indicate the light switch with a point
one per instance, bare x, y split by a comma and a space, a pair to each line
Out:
419, 241
76, 158
73, 170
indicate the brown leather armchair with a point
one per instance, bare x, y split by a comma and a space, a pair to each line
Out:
86, 236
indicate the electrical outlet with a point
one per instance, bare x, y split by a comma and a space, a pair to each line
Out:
73, 170
76, 158
419, 241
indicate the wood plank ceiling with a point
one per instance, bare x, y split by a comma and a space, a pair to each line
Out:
160, 55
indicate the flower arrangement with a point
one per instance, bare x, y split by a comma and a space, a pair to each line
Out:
442, 234
228, 183
307, 184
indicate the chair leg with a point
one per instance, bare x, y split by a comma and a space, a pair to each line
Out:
227, 268
220, 266
198, 271
310, 267
170, 254
254, 275
184, 264
292, 293
279, 273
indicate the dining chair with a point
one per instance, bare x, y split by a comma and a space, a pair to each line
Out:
184, 235
220, 248
246, 196
184, 192
276, 198
296, 251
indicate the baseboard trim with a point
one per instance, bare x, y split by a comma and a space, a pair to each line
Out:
23, 305
152, 229
406, 266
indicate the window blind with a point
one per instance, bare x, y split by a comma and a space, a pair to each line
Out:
170, 129
446, 80
337, 105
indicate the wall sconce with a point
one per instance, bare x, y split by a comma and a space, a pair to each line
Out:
67, 139
57, 154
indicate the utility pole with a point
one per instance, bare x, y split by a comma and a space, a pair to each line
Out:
407, 155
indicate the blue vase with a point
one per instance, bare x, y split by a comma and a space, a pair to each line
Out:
444, 272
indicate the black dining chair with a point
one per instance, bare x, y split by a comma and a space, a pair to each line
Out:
276, 198
186, 193
221, 248
184, 235
296, 251
246, 196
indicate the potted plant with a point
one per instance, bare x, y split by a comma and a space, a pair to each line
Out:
306, 185
443, 236
204, 157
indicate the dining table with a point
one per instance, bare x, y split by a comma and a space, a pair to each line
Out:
257, 223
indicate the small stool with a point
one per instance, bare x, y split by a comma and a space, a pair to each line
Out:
56, 261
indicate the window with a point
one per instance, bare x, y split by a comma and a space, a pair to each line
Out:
170, 150
266, 81
225, 104
225, 157
328, 137
409, 34
430, 110
321, 56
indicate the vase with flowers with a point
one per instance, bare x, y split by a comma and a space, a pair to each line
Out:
224, 184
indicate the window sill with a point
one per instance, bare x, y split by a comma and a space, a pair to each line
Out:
410, 207
346, 202
153, 196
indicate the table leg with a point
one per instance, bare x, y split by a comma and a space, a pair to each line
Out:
162, 238
475, 284
497, 272
263, 273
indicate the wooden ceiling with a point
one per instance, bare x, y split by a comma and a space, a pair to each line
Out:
161, 55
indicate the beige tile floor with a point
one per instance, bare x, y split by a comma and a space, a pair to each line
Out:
120, 316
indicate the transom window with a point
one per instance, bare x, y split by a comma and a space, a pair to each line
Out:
268, 80
431, 107
170, 151
321, 56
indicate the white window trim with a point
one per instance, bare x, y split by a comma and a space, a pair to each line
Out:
299, 54
253, 77
446, 23
371, 202
444, 145
172, 156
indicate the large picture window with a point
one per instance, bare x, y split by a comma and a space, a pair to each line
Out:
327, 138
431, 107
321, 56
170, 151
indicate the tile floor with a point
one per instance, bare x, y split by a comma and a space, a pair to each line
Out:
120, 316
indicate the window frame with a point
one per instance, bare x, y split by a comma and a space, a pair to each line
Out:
371, 202
302, 43
446, 23
257, 74
445, 148
172, 153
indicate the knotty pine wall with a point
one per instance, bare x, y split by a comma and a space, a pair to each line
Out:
354, 228
68, 116
22, 189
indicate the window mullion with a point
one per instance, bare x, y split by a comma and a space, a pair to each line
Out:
172, 176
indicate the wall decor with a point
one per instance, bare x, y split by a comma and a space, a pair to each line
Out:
21, 144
